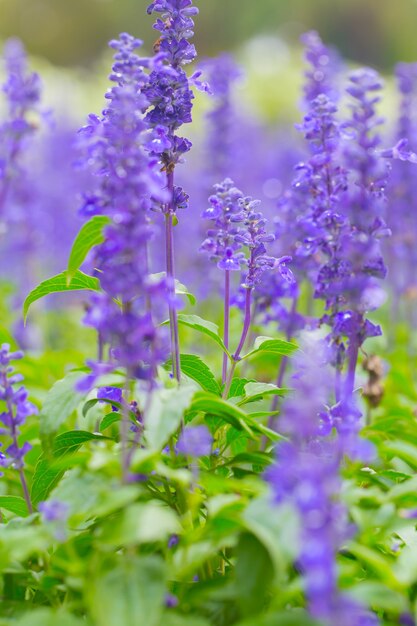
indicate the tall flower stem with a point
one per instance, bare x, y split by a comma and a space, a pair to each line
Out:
245, 330
226, 322
170, 268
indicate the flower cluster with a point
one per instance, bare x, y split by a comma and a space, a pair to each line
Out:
222, 73
349, 279
306, 474
311, 205
324, 66
22, 90
168, 91
17, 409
253, 235
222, 242
239, 224
130, 184
401, 248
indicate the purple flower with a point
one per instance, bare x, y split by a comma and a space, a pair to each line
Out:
55, 514
254, 236
171, 601
54, 511
168, 91
324, 66
406, 619
222, 242
110, 393
401, 248
307, 474
130, 186
223, 127
173, 541
22, 92
17, 409
195, 441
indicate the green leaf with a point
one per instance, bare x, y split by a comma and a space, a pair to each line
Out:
251, 458
193, 367
290, 617
46, 476
379, 597
203, 326
57, 284
174, 619
253, 572
128, 591
274, 346
108, 420
14, 504
60, 402
94, 401
404, 450
237, 388
377, 562
180, 289
257, 391
48, 617
140, 523
165, 414
209, 403
277, 528
90, 235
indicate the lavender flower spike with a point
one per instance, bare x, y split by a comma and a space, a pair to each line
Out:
130, 186
170, 98
17, 410
22, 90
221, 243
253, 236
306, 474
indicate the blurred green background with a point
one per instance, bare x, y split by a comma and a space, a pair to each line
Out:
75, 32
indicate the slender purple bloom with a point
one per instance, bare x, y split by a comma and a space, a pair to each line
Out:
222, 133
17, 409
324, 66
170, 98
22, 90
130, 184
401, 248
222, 242
306, 474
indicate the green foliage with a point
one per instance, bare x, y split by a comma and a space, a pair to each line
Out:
58, 284
48, 471
273, 346
203, 326
90, 235
59, 404
127, 590
195, 368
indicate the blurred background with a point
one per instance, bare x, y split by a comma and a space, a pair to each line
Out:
75, 32
66, 41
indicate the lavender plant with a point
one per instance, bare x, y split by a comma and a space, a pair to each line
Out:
17, 409
170, 96
145, 500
